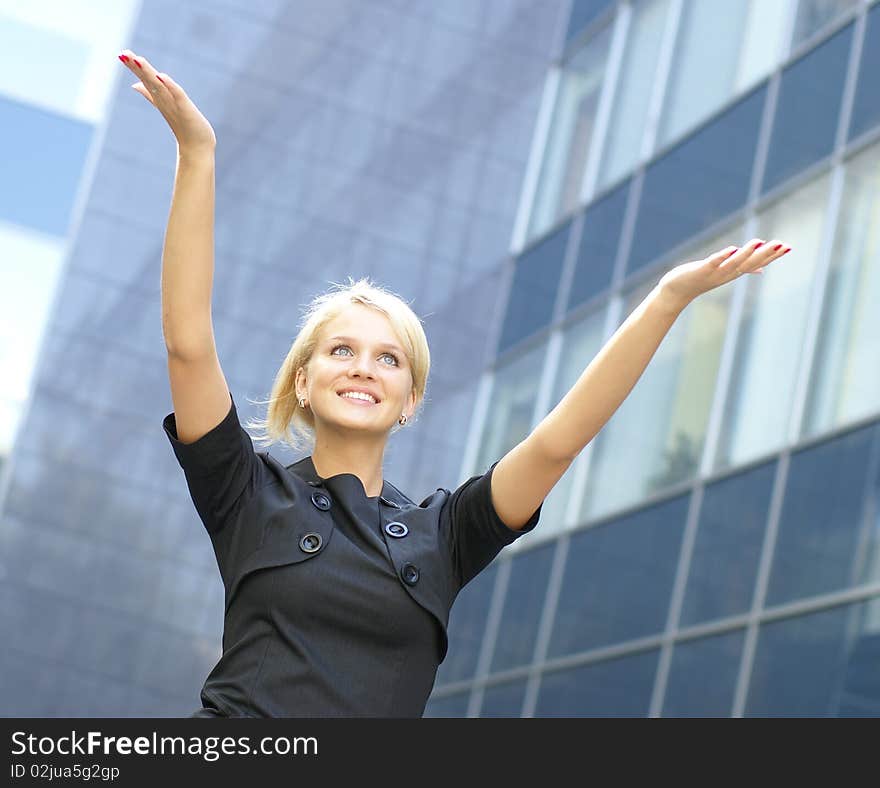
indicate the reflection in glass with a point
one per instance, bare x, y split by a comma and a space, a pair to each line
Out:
818, 665
571, 134
768, 352
730, 534
655, 438
746, 52
825, 540
467, 623
702, 677
523, 603
632, 97
504, 700
808, 109
511, 406
612, 688
617, 580
813, 15
845, 383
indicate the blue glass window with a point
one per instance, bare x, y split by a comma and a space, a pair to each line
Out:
529, 576
825, 540
866, 107
504, 700
598, 246
700, 181
583, 12
618, 579
702, 678
808, 109
724, 564
449, 706
818, 665
612, 688
42, 155
467, 622
535, 283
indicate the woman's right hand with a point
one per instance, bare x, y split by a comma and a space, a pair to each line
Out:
192, 129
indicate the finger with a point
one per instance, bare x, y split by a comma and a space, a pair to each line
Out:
720, 256
144, 69
741, 258
138, 87
768, 253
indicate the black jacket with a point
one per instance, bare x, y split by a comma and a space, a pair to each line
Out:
336, 603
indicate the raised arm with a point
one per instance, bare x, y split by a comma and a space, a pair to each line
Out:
527, 473
198, 387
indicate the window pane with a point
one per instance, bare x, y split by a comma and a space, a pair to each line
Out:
613, 688
571, 133
633, 93
504, 700
511, 406
813, 15
533, 291
724, 564
467, 623
825, 541
655, 438
529, 577
618, 579
698, 182
597, 251
449, 706
866, 108
818, 665
583, 12
846, 373
808, 109
768, 349
62, 143
581, 341
702, 678
744, 54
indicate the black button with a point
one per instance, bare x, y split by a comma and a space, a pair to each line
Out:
321, 501
310, 543
396, 529
410, 574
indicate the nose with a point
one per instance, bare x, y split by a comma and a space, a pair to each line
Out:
362, 365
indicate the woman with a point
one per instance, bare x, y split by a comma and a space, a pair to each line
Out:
337, 586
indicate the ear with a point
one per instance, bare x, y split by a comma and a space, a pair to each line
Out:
300, 383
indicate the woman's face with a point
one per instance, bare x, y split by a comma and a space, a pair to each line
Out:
358, 350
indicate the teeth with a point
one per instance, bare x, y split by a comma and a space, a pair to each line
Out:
358, 395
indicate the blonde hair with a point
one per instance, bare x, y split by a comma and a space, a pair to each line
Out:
294, 426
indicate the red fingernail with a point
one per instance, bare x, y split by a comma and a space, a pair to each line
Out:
160, 79
759, 244
777, 247
138, 63
124, 58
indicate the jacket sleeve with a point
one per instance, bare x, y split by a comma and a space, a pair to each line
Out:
473, 531
221, 468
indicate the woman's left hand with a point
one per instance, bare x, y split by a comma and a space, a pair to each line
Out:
685, 282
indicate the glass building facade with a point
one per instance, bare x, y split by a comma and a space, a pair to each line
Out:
714, 550
525, 171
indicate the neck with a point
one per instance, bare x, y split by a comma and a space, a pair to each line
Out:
342, 454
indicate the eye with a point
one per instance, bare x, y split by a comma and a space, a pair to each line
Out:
389, 355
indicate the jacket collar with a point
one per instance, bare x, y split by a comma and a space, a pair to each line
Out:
305, 469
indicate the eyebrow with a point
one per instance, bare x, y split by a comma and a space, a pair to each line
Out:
354, 341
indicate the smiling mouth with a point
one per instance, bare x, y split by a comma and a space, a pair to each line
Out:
357, 400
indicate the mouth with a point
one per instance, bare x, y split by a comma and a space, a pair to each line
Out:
357, 401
